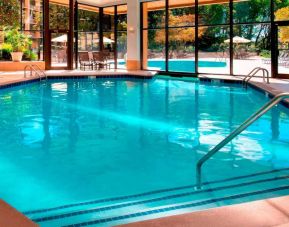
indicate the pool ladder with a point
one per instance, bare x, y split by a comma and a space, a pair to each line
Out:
277, 99
265, 72
35, 69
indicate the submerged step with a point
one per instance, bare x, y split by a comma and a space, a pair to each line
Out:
165, 194
200, 198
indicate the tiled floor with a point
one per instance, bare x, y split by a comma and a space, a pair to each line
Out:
9, 217
15, 77
263, 213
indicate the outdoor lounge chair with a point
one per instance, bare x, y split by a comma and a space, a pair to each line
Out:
100, 61
85, 61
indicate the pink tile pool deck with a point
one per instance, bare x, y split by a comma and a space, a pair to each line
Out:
263, 213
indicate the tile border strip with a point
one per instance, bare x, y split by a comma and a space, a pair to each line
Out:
177, 207
153, 200
33, 80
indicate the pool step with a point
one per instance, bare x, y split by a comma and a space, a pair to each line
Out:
157, 193
165, 202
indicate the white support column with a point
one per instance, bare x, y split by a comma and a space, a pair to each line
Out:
133, 35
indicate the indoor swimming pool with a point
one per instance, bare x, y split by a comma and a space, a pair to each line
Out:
109, 151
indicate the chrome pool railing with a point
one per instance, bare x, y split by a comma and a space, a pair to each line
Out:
36, 69
265, 72
277, 99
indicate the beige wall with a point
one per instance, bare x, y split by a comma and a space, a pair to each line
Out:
133, 35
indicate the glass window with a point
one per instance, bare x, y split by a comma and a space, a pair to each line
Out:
154, 14
154, 49
251, 11
32, 15
121, 48
35, 52
108, 19
88, 41
251, 47
122, 18
281, 10
88, 18
121, 35
214, 50
10, 13
214, 14
59, 15
180, 15
182, 49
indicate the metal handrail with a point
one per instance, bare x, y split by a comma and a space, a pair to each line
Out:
237, 131
252, 74
36, 69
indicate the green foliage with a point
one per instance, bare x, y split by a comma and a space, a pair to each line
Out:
214, 14
252, 11
29, 55
17, 39
9, 13
265, 54
6, 50
88, 20
58, 16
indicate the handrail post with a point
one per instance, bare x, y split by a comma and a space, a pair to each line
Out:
247, 78
263, 110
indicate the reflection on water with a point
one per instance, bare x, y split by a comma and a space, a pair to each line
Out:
117, 133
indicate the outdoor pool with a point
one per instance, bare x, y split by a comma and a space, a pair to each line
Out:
182, 65
77, 152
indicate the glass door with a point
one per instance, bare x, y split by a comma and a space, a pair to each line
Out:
283, 50
58, 45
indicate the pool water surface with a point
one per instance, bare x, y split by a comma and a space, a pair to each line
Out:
73, 141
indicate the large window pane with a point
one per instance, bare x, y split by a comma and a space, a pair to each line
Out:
122, 18
214, 52
121, 35
108, 19
210, 14
251, 48
180, 14
281, 10
88, 18
36, 50
251, 11
88, 41
10, 13
283, 49
154, 14
59, 15
154, 49
121, 48
109, 45
182, 49
32, 15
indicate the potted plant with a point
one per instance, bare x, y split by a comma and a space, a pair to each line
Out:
18, 41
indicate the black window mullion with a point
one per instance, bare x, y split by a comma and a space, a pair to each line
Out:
115, 36
167, 36
76, 33
100, 29
141, 35
231, 38
196, 36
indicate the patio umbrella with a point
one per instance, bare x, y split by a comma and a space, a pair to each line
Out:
105, 40
238, 39
60, 39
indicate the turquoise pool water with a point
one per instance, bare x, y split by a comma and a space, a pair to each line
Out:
109, 147
182, 65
